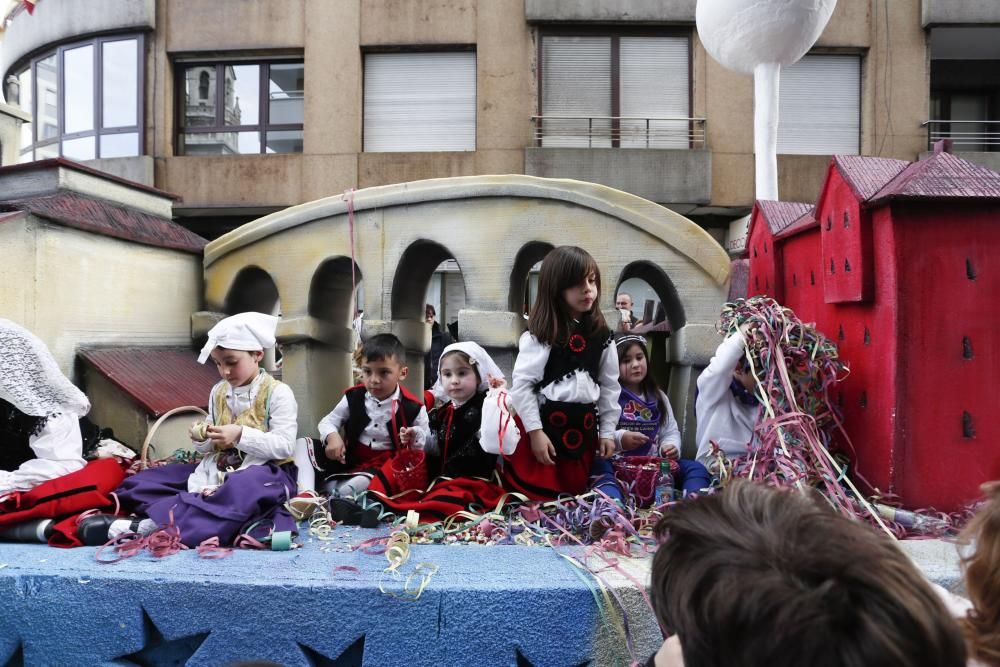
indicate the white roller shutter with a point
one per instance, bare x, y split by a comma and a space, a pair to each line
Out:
576, 81
820, 108
653, 73
420, 102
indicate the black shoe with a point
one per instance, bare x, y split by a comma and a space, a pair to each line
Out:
93, 531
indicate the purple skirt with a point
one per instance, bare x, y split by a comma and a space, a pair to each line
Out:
257, 493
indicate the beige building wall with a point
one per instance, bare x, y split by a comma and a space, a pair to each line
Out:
73, 288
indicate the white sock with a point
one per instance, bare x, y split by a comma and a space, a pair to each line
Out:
146, 526
351, 487
307, 474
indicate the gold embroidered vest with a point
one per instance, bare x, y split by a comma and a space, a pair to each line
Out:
256, 416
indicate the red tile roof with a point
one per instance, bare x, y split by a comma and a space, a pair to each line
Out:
780, 215
942, 176
806, 221
102, 217
157, 378
868, 175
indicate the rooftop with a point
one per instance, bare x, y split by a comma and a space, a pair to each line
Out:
156, 378
942, 176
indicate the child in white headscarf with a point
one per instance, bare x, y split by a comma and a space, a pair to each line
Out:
246, 441
464, 374
40, 412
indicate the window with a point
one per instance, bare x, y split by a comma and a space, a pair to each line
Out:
819, 111
420, 102
619, 90
257, 109
85, 100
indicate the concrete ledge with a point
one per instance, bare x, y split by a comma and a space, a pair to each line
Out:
968, 12
693, 344
611, 11
204, 320
413, 334
297, 609
138, 169
660, 175
297, 329
53, 22
491, 329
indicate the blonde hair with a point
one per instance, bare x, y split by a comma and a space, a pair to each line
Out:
982, 580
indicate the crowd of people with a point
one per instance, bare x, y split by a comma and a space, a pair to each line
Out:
746, 575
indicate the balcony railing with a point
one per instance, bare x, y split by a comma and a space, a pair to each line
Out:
618, 132
965, 135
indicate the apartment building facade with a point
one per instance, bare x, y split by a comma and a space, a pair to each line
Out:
247, 107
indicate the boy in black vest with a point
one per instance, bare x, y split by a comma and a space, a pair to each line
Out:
376, 417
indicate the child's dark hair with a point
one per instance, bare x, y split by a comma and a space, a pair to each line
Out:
466, 359
754, 575
383, 347
982, 579
564, 267
648, 386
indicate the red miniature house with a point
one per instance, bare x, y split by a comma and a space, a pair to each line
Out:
899, 267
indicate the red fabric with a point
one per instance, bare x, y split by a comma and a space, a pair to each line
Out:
445, 497
64, 498
365, 459
521, 472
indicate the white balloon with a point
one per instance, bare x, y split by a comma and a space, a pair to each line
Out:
742, 34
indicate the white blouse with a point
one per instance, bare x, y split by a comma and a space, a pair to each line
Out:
59, 451
258, 447
720, 416
376, 433
529, 368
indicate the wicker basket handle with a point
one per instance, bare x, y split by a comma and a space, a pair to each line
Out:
144, 453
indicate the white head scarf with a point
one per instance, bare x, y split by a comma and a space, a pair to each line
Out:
483, 362
30, 378
246, 331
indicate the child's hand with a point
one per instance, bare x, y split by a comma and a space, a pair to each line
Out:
198, 431
495, 383
632, 440
669, 451
542, 447
407, 436
606, 448
224, 437
335, 449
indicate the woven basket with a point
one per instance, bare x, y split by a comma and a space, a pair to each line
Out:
409, 470
147, 443
639, 475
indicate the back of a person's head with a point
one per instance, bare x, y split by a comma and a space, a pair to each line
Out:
982, 579
756, 576
383, 347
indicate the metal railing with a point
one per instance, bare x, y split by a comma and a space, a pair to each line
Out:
965, 135
618, 132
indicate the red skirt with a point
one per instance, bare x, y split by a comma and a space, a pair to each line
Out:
64, 498
444, 498
521, 472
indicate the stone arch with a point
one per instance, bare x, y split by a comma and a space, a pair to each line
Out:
253, 288
530, 254
662, 286
331, 291
413, 274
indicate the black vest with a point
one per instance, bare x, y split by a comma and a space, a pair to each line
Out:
459, 428
358, 419
16, 429
578, 353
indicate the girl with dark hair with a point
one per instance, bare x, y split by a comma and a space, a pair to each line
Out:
565, 381
647, 426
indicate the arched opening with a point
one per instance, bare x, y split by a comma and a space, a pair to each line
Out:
332, 293
524, 276
255, 290
654, 297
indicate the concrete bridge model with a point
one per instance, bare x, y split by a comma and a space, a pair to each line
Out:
496, 228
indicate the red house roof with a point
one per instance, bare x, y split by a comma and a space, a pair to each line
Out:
102, 217
157, 378
781, 217
868, 175
942, 176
